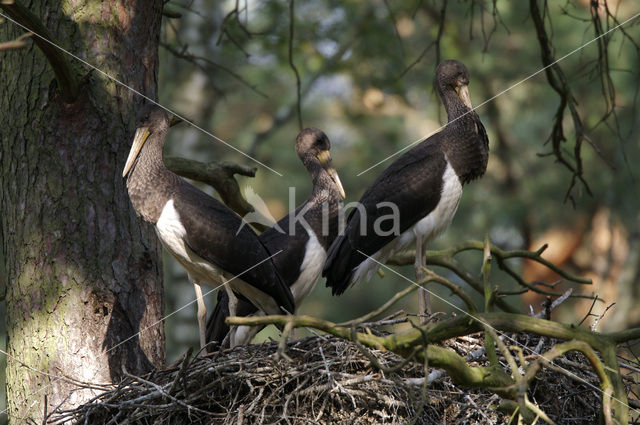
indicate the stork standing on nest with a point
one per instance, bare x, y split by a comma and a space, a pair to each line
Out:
205, 236
303, 236
425, 184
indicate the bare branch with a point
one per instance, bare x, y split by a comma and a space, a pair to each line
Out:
183, 53
328, 65
441, 20
384, 307
395, 26
292, 65
558, 82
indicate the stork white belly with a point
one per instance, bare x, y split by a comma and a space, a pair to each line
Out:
310, 270
430, 226
172, 233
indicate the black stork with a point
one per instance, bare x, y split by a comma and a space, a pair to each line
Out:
424, 184
205, 236
303, 236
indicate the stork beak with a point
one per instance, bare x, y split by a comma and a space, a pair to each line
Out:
463, 94
141, 136
325, 159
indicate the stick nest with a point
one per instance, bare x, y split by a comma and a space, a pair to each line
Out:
328, 380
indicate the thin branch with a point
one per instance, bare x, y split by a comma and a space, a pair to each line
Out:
292, 65
431, 276
546, 312
441, 21
288, 112
382, 308
597, 365
395, 26
195, 59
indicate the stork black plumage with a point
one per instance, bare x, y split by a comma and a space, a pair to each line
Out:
205, 236
303, 236
425, 184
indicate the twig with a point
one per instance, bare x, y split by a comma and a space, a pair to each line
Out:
328, 65
384, 307
183, 53
600, 316
441, 21
562, 298
292, 65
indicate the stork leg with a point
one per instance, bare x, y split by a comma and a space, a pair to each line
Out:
233, 306
424, 301
202, 313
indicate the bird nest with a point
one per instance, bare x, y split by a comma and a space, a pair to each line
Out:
325, 379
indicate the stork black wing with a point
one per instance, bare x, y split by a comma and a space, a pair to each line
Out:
216, 234
413, 184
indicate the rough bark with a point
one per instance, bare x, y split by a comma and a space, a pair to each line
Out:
81, 273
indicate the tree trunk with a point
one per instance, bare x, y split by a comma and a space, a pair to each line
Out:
82, 274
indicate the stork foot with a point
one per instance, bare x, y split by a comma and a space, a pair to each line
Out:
284, 337
233, 307
424, 298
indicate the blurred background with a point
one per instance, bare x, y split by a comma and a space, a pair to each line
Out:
363, 73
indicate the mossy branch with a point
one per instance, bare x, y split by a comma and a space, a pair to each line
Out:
560, 350
404, 343
449, 360
67, 79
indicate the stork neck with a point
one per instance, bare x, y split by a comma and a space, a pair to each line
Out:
324, 200
454, 106
319, 178
466, 144
150, 182
151, 153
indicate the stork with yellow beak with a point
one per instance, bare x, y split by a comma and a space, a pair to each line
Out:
207, 238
